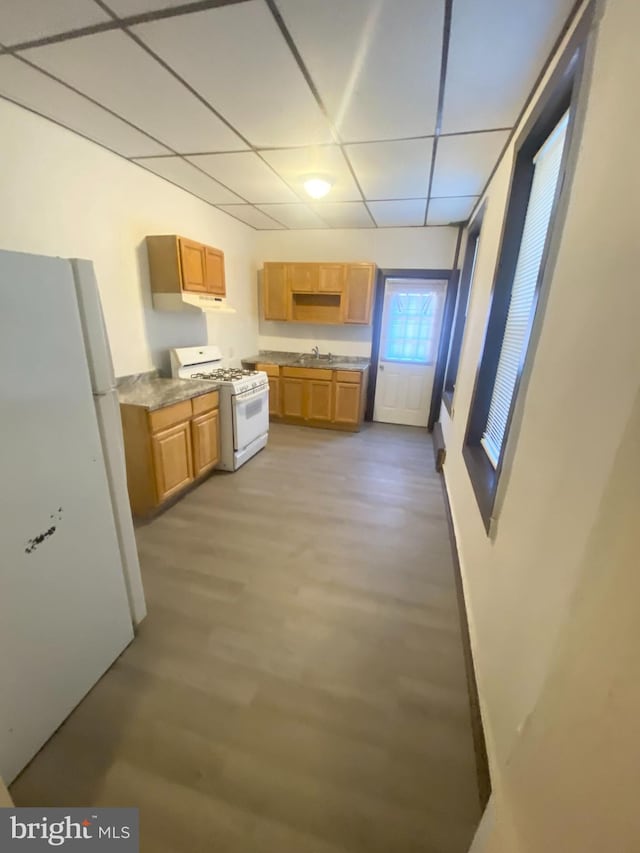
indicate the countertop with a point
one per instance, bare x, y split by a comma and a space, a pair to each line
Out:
154, 393
290, 359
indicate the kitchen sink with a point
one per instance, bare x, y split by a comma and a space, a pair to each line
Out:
314, 359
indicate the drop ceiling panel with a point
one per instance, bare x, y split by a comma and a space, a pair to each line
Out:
115, 71
390, 170
487, 86
251, 216
293, 215
350, 214
247, 174
27, 20
295, 165
35, 90
376, 63
236, 57
463, 163
399, 213
124, 8
442, 211
189, 178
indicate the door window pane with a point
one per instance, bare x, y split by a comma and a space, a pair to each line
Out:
411, 329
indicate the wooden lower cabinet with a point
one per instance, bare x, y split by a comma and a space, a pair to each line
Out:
292, 397
347, 406
275, 395
205, 440
172, 460
319, 400
275, 406
169, 448
332, 399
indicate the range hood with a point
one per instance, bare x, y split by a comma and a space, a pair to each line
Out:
185, 301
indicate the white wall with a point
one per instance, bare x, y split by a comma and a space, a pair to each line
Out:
405, 248
62, 195
553, 598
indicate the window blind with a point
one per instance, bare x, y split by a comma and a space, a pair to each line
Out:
516, 336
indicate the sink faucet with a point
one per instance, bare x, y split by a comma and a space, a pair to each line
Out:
316, 351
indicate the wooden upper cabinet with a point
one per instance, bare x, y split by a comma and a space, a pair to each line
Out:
358, 295
275, 292
318, 293
331, 278
193, 260
214, 266
178, 264
303, 278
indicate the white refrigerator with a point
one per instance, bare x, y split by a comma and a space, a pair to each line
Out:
70, 585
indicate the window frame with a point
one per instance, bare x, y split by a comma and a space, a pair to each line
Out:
558, 96
462, 308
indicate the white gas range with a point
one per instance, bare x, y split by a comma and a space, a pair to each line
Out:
244, 401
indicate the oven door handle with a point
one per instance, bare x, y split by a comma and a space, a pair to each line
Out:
246, 396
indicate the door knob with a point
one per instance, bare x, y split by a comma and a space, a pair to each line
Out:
381, 367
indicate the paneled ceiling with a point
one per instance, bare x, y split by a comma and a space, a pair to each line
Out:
403, 105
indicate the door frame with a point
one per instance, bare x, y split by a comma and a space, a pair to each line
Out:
448, 275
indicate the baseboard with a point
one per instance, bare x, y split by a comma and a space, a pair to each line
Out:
479, 743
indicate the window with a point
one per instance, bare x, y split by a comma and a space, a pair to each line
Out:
536, 184
547, 163
413, 321
462, 305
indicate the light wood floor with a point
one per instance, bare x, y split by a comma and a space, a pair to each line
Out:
299, 684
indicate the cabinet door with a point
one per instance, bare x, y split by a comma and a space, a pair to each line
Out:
331, 278
274, 397
205, 436
193, 263
347, 408
275, 293
318, 400
172, 459
215, 271
292, 397
303, 278
358, 295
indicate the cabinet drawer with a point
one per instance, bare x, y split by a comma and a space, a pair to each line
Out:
269, 369
349, 376
162, 418
205, 402
307, 373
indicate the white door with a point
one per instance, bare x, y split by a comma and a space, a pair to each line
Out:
64, 614
411, 326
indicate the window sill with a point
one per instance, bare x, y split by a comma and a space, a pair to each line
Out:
484, 480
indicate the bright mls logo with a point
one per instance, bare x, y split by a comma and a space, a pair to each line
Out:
76, 829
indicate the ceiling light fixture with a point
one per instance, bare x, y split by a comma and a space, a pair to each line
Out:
317, 187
